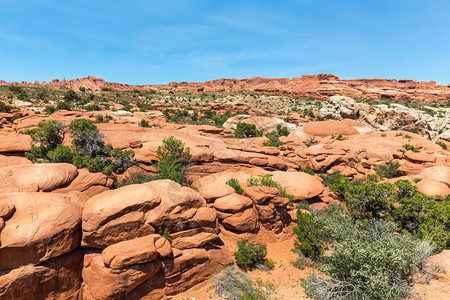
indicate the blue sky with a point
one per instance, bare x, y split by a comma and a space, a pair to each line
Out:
143, 42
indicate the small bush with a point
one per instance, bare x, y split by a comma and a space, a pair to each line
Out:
310, 240
63, 105
45, 138
307, 171
86, 138
234, 284
71, 96
389, 170
135, 178
61, 154
249, 255
144, 123
411, 147
244, 130
442, 144
4, 108
234, 183
173, 160
302, 262
274, 136
49, 110
268, 181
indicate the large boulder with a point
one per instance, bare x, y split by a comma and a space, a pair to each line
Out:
59, 278
14, 142
42, 226
38, 177
438, 173
299, 184
330, 127
137, 210
434, 188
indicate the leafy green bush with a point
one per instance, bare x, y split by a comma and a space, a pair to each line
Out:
274, 136
71, 96
310, 238
63, 105
411, 147
144, 123
415, 214
234, 284
86, 138
61, 154
442, 144
249, 255
173, 160
4, 108
244, 130
92, 107
389, 170
234, 183
307, 171
88, 149
268, 181
135, 178
373, 263
49, 110
45, 138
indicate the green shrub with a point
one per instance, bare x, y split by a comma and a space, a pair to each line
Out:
61, 154
274, 139
268, 181
45, 138
374, 263
302, 262
144, 123
274, 136
411, 147
307, 171
389, 170
234, 183
71, 96
63, 105
86, 138
92, 107
4, 108
135, 178
234, 284
249, 255
442, 144
173, 160
244, 130
310, 239
105, 89
49, 110
418, 215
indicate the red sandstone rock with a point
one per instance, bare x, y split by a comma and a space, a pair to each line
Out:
43, 226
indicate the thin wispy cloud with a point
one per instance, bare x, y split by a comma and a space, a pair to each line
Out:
160, 41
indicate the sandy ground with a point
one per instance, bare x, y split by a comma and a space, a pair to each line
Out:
284, 276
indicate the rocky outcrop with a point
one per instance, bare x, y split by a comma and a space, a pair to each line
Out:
38, 177
392, 117
266, 124
135, 217
317, 86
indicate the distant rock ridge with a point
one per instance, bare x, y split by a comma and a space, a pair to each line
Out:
320, 86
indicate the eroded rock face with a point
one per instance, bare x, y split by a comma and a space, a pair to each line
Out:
37, 177
133, 218
57, 278
40, 227
392, 117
